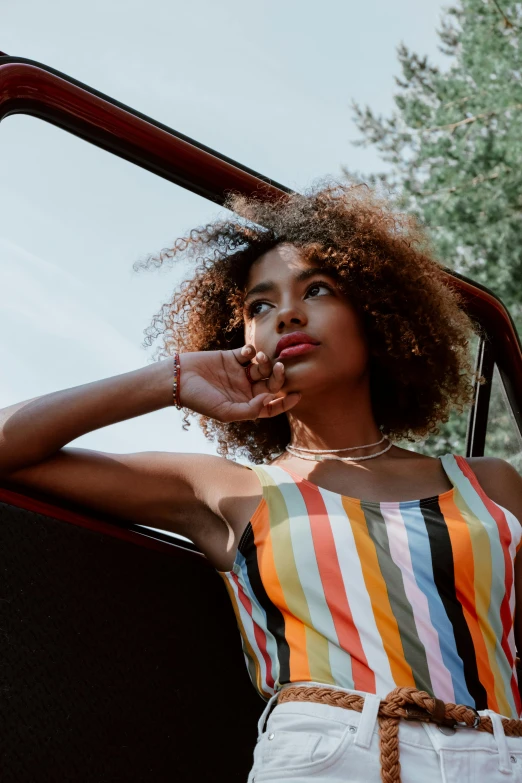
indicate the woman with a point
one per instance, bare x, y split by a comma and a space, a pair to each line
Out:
315, 332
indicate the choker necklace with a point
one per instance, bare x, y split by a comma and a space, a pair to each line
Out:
314, 454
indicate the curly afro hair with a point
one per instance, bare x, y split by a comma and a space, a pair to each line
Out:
419, 337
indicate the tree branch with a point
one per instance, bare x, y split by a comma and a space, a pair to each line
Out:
453, 125
507, 20
458, 101
471, 182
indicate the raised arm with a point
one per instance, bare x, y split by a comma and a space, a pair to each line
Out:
35, 429
183, 493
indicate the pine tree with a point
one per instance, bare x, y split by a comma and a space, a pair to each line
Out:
453, 154
454, 144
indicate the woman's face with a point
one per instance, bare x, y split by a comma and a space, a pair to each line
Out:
289, 300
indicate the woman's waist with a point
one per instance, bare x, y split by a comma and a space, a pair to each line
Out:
352, 691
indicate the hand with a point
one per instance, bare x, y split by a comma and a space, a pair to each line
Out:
215, 384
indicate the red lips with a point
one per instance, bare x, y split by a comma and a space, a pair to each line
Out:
295, 338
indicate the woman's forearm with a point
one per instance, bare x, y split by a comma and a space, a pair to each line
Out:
33, 430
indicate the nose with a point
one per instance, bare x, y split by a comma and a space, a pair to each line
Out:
290, 316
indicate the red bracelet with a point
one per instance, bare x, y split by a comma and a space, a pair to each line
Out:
176, 386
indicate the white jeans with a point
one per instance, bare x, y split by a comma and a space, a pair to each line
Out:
304, 741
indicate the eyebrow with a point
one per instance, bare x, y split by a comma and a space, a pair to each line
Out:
304, 274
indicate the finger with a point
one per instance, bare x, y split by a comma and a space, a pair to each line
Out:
273, 408
277, 379
264, 364
245, 354
259, 407
257, 375
244, 411
256, 408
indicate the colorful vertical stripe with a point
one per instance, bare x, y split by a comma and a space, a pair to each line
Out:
370, 596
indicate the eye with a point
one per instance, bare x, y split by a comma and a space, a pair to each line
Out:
314, 290
255, 308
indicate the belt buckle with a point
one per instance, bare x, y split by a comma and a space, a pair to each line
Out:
462, 725
419, 714
450, 728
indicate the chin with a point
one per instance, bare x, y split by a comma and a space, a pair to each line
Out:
302, 377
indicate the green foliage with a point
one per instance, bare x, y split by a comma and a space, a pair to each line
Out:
454, 144
453, 152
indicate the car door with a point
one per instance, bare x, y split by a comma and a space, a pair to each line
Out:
121, 659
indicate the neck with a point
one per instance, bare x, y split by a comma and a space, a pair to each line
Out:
334, 420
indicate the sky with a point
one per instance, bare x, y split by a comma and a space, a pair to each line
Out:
269, 84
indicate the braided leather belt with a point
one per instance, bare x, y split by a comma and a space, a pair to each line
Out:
405, 703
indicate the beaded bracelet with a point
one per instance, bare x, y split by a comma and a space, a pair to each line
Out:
176, 386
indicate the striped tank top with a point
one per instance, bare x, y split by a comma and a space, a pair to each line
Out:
372, 595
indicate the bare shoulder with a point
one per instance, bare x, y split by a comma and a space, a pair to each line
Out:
500, 481
229, 493
231, 490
